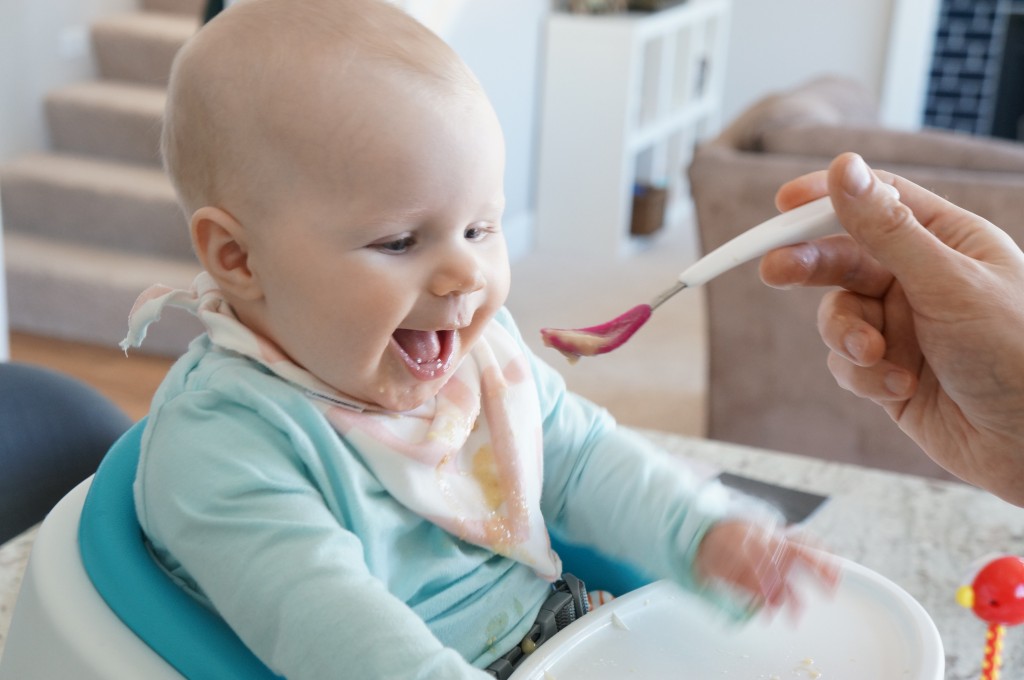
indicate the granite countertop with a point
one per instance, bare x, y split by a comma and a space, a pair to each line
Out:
13, 556
922, 534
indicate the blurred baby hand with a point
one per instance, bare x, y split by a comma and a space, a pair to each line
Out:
762, 562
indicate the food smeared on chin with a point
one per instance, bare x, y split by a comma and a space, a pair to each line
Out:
600, 339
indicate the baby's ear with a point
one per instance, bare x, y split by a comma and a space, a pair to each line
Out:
220, 243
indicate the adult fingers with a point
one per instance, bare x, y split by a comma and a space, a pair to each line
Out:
802, 190
850, 326
830, 261
883, 382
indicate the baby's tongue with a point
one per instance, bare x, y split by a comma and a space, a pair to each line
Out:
421, 346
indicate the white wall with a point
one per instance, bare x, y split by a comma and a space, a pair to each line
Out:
501, 41
776, 44
911, 45
43, 44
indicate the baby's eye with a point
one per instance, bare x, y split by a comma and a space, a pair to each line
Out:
477, 232
398, 245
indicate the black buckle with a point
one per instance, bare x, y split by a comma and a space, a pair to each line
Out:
578, 589
567, 603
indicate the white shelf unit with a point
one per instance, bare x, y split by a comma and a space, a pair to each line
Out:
626, 98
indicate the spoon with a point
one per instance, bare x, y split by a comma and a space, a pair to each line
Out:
803, 223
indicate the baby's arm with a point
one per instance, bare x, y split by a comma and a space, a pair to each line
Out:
259, 541
611, 489
636, 503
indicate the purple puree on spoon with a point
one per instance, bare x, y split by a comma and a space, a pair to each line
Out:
587, 342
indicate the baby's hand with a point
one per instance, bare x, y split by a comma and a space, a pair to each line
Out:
761, 561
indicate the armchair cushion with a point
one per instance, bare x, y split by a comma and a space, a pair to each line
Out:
828, 100
883, 147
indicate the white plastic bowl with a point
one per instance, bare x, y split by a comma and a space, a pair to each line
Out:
868, 628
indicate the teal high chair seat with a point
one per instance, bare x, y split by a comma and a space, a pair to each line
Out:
94, 605
109, 611
190, 637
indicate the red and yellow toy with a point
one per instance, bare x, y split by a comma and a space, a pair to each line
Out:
996, 596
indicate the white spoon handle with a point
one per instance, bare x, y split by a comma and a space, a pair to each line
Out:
803, 223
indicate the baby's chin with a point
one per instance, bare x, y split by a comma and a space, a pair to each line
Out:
401, 401
399, 392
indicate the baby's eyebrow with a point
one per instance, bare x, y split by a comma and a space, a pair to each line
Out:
395, 219
382, 223
399, 218
492, 209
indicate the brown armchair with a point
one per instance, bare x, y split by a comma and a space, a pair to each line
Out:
768, 383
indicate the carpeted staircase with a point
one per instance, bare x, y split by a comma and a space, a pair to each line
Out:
93, 221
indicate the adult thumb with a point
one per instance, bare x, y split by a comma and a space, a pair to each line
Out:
883, 220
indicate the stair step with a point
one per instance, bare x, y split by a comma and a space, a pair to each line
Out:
193, 8
84, 294
94, 202
107, 119
139, 47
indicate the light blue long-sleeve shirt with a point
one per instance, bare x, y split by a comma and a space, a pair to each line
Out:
256, 504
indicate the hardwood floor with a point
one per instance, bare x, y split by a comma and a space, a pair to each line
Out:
129, 381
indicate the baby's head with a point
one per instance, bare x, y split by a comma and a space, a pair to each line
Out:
343, 174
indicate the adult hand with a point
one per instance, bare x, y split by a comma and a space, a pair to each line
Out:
929, 323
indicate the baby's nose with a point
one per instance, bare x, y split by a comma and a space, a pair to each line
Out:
457, 273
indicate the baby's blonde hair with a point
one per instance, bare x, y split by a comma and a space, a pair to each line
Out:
217, 138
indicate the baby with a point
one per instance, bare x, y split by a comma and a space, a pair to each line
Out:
358, 464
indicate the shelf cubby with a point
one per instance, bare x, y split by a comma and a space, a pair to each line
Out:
626, 98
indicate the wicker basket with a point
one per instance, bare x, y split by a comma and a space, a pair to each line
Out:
648, 209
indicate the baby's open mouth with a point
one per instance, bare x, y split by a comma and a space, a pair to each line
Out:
428, 354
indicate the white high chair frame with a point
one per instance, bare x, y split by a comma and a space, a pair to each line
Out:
62, 628
94, 604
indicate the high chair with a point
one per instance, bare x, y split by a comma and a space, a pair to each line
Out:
94, 605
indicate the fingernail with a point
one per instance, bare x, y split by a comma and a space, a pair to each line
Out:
855, 344
803, 260
897, 382
857, 178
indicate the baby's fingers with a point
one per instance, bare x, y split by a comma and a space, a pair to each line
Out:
772, 559
811, 567
820, 564
766, 564
801, 566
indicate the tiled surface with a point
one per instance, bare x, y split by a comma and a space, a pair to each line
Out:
965, 67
